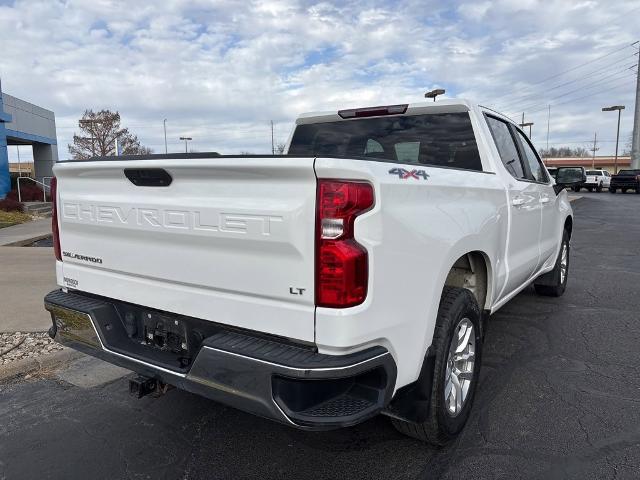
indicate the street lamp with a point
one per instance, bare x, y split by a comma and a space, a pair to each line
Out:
527, 124
186, 140
434, 93
613, 108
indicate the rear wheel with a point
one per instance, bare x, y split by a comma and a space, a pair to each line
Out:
458, 351
599, 188
576, 189
554, 283
624, 190
637, 189
612, 190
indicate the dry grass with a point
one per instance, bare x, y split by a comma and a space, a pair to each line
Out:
13, 218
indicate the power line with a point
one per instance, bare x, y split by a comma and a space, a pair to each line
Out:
588, 86
583, 64
627, 81
582, 77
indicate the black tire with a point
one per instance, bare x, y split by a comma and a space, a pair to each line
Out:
599, 188
590, 189
576, 189
612, 190
553, 284
637, 189
456, 304
624, 190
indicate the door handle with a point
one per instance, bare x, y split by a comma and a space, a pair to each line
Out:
544, 200
517, 201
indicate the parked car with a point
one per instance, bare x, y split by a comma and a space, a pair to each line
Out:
351, 277
625, 180
596, 180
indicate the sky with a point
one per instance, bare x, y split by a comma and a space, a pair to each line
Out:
221, 71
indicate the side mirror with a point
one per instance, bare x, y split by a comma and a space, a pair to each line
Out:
568, 177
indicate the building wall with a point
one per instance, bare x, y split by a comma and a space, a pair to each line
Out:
599, 163
29, 120
23, 123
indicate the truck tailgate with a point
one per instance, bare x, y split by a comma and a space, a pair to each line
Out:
229, 240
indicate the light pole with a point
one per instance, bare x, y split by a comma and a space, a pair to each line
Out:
434, 93
164, 123
527, 124
19, 165
613, 108
186, 140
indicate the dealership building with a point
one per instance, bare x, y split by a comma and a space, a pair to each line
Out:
23, 123
609, 163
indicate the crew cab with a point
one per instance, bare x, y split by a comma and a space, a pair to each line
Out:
625, 180
352, 276
596, 180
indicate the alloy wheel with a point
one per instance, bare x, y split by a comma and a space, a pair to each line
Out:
460, 365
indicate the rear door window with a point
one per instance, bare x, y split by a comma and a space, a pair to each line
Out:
442, 139
506, 147
531, 157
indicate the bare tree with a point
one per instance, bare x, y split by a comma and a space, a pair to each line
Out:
99, 132
556, 152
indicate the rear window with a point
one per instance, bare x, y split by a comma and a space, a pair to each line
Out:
442, 139
594, 172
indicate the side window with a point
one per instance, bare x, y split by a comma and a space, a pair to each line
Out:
506, 147
535, 165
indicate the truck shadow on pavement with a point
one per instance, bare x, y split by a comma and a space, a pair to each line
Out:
557, 399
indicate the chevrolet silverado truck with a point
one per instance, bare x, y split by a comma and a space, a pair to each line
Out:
625, 180
351, 277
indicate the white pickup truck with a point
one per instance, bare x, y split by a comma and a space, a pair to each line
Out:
350, 277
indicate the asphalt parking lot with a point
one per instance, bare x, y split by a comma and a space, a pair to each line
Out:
559, 398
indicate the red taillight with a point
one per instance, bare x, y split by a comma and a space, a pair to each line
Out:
54, 218
341, 262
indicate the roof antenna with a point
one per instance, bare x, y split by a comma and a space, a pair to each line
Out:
434, 93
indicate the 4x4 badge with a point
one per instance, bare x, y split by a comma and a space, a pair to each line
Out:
405, 174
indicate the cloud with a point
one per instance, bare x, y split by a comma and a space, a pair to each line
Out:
220, 71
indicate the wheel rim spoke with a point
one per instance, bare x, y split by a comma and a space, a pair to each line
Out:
460, 367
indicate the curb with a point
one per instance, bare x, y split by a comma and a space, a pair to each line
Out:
28, 365
26, 241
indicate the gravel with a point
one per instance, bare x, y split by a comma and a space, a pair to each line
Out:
33, 345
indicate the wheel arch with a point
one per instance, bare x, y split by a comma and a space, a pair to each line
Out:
473, 271
568, 225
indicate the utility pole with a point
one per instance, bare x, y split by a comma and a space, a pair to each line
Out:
594, 150
527, 124
273, 149
619, 108
548, 124
164, 122
635, 139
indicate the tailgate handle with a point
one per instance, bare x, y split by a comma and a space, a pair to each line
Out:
148, 177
